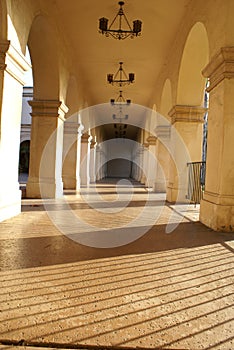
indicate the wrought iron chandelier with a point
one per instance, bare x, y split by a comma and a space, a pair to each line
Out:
120, 101
120, 78
120, 131
120, 117
118, 32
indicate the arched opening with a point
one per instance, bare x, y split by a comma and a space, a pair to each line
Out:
44, 58
191, 83
24, 159
163, 130
190, 114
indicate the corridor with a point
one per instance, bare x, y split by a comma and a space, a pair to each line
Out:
142, 273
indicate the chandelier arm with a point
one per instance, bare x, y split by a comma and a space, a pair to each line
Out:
113, 21
127, 22
116, 74
118, 35
123, 82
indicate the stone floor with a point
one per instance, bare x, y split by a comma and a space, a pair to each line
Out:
114, 266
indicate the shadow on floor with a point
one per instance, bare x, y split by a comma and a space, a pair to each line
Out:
59, 249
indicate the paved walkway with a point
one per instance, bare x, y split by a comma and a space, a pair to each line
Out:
115, 266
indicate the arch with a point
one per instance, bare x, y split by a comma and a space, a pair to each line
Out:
43, 48
166, 99
195, 57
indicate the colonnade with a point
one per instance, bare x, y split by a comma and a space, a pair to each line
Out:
64, 155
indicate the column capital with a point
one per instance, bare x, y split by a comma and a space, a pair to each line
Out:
163, 131
221, 66
151, 140
93, 144
187, 114
86, 138
73, 128
48, 108
12, 61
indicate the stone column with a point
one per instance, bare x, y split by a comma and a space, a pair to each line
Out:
13, 65
135, 163
45, 170
71, 154
85, 159
186, 146
162, 154
217, 206
98, 162
152, 163
145, 163
93, 161
139, 163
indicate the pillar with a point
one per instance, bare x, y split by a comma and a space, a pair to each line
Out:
152, 162
139, 163
71, 154
45, 170
12, 68
98, 162
93, 161
217, 205
163, 133
85, 159
185, 147
144, 163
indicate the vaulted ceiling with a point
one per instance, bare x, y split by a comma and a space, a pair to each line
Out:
94, 55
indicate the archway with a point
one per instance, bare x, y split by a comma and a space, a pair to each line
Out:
45, 59
24, 157
48, 109
191, 83
187, 116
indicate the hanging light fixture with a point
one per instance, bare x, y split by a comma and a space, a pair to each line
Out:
120, 130
120, 101
120, 78
118, 32
120, 117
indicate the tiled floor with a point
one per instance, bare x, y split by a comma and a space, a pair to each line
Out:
115, 266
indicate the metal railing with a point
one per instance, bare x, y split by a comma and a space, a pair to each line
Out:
196, 181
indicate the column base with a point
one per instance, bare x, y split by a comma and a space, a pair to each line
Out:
50, 189
69, 183
216, 216
143, 180
150, 183
92, 180
85, 182
10, 206
160, 187
176, 195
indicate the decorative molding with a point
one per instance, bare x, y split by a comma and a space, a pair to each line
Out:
86, 138
145, 145
220, 67
12, 61
71, 128
48, 108
218, 199
163, 131
187, 114
151, 140
93, 144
